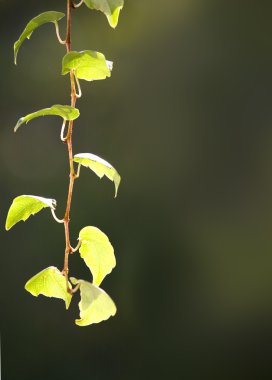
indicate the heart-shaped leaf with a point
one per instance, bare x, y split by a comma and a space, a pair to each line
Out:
26, 205
50, 283
99, 166
66, 112
97, 252
43, 18
95, 305
89, 65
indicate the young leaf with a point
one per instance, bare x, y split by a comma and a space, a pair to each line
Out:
99, 166
66, 112
26, 205
111, 8
43, 18
89, 65
51, 283
95, 305
97, 252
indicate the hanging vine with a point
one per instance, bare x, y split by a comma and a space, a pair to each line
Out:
93, 245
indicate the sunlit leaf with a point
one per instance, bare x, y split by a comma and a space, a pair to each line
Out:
97, 252
111, 8
26, 205
51, 283
99, 166
66, 112
95, 305
43, 18
89, 65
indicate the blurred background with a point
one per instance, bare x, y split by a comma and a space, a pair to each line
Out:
186, 119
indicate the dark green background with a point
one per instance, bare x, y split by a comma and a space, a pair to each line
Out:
187, 120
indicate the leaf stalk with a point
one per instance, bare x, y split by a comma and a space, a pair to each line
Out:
55, 216
79, 94
61, 41
62, 131
78, 171
78, 5
73, 250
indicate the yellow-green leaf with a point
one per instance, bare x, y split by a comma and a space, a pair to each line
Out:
66, 112
111, 9
99, 166
88, 65
43, 18
95, 305
50, 283
97, 252
26, 205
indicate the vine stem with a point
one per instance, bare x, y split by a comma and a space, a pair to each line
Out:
72, 176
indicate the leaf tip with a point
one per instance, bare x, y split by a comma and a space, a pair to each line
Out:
15, 49
117, 181
18, 124
113, 19
9, 223
68, 301
78, 322
29, 289
113, 23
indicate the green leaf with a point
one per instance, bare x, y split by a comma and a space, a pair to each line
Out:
95, 305
66, 112
51, 283
99, 166
111, 8
26, 205
89, 65
97, 252
43, 18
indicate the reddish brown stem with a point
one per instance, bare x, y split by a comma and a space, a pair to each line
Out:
69, 142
